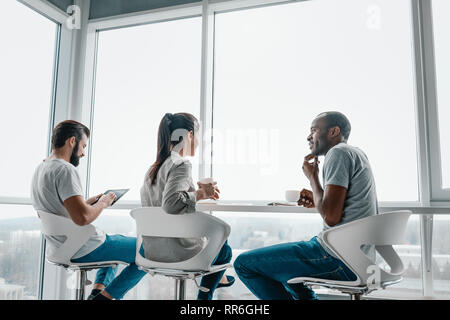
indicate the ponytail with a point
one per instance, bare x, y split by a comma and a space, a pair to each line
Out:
170, 125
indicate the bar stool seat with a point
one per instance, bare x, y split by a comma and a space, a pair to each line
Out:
76, 237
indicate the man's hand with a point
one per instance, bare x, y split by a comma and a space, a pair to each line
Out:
311, 169
306, 199
82, 213
107, 199
93, 199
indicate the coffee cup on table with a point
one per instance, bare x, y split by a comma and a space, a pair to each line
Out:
292, 195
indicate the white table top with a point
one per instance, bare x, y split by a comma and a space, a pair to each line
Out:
263, 207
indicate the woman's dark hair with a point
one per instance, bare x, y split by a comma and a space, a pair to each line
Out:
171, 130
67, 129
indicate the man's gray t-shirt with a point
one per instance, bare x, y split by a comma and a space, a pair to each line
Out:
348, 166
55, 181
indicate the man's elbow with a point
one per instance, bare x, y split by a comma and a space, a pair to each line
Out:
81, 222
80, 219
333, 219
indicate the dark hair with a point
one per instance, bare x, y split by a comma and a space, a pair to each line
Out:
171, 130
67, 129
337, 119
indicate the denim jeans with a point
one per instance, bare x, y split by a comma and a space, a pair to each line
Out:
120, 248
265, 271
212, 280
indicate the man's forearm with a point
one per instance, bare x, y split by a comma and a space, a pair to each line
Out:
94, 211
317, 194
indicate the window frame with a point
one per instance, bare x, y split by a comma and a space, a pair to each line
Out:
438, 193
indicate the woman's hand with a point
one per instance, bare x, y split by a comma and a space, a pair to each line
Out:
207, 191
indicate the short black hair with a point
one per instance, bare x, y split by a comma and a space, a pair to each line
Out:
67, 129
337, 119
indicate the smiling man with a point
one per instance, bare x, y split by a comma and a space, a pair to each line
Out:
348, 194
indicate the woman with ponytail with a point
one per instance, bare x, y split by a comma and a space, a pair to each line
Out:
168, 184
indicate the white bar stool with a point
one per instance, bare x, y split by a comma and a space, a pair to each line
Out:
155, 222
76, 237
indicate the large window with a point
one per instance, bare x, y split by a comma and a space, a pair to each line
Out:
142, 73
26, 64
26, 79
272, 79
441, 248
442, 52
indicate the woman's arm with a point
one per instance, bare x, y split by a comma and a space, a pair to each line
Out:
179, 195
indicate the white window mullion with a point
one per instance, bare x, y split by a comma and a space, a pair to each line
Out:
428, 148
206, 94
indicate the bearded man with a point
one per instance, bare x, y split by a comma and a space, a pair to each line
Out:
56, 188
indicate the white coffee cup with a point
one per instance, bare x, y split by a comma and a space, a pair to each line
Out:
292, 195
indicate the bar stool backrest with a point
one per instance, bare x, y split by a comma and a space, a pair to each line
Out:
76, 236
155, 222
381, 230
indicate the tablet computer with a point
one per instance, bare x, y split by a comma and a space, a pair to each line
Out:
118, 192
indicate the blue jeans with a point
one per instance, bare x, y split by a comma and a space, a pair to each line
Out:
120, 248
265, 271
212, 280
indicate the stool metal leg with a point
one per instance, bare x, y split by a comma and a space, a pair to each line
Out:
180, 289
82, 276
355, 296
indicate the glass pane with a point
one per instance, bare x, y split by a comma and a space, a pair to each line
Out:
20, 242
26, 64
441, 256
442, 52
272, 79
142, 73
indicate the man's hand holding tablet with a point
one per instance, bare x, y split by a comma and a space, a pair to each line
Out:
115, 194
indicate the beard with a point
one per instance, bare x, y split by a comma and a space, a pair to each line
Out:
74, 158
320, 146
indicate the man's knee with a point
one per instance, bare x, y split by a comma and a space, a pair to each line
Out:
241, 262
